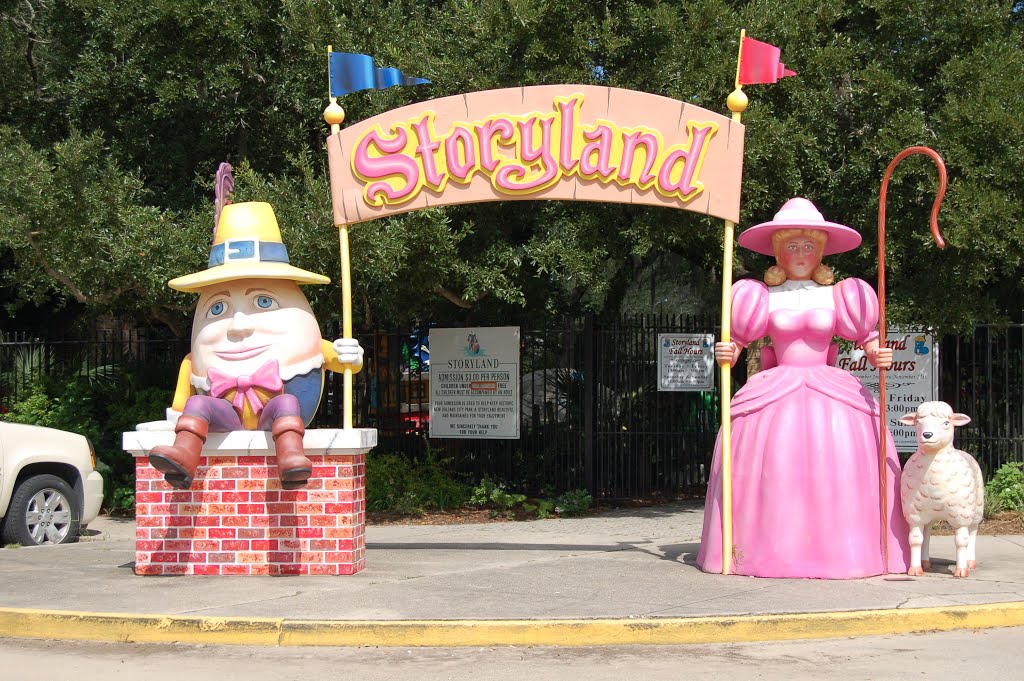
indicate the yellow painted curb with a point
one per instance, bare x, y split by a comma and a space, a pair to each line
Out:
124, 627
128, 627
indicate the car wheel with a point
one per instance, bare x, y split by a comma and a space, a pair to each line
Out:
43, 510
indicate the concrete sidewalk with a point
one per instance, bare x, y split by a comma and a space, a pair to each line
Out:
624, 576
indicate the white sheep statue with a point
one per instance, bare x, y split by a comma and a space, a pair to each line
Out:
941, 483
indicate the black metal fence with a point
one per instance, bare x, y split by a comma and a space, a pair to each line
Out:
646, 440
28, 360
982, 375
591, 414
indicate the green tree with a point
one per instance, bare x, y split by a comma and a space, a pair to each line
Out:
77, 227
148, 97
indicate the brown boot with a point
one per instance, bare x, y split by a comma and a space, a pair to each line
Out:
292, 464
178, 462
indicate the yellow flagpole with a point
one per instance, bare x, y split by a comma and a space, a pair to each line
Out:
334, 115
346, 320
737, 103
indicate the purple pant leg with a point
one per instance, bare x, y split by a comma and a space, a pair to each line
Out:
217, 412
282, 405
222, 417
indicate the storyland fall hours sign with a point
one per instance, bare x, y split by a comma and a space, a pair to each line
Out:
686, 361
913, 379
474, 382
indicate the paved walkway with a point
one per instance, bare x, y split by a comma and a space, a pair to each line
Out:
624, 576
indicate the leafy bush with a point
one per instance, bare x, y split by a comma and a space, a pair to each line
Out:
1006, 488
574, 503
542, 508
69, 408
122, 499
993, 504
396, 483
494, 495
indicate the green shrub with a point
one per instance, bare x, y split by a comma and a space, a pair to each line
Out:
1007, 487
574, 503
542, 508
122, 499
993, 504
68, 407
122, 411
494, 495
396, 483
127, 410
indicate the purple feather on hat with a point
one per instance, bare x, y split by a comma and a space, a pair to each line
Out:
223, 186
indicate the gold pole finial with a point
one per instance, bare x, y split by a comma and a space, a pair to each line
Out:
334, 115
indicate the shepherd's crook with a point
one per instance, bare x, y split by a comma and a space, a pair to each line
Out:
940, 242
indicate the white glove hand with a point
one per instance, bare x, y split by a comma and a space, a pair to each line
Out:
349, 352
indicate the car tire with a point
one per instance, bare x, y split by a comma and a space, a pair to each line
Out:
43, 510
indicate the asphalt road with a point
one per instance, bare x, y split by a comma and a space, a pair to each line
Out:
987, 654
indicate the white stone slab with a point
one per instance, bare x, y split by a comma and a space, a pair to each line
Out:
258, 442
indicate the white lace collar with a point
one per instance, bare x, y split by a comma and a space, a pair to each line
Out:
801, 294
795, 285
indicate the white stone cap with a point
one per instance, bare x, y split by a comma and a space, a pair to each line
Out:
258, 442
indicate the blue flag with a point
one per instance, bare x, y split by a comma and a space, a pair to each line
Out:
352, 72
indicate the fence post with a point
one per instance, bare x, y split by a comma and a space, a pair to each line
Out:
589, 383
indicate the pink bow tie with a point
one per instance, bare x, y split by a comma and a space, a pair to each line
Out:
266, 378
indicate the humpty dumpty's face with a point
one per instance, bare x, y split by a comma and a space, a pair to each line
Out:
799, 257
240, 325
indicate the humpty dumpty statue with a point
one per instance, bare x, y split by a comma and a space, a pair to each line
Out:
257, 359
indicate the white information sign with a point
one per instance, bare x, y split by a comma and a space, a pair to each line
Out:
474, 382
686, 361
912, 379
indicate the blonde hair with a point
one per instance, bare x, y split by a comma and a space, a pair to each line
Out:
822, 273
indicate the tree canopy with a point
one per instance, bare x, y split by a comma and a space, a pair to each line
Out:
115, 113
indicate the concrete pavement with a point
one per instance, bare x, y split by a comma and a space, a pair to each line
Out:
620, 577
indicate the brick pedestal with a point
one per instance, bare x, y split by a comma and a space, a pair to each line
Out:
236, 519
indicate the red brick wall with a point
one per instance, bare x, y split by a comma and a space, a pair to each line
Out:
236, 519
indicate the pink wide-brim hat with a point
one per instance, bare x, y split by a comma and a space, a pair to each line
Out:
799, 213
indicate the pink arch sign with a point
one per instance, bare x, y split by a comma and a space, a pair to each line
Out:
560, 142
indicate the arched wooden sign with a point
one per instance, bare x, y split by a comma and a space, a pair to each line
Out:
562, 142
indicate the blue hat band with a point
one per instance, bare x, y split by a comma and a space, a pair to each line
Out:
247, 250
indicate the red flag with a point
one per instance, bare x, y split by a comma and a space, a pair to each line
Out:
759, 63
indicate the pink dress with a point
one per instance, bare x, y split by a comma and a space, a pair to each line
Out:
805, 444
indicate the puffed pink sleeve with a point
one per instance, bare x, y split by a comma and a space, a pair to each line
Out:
856, 310
749, 311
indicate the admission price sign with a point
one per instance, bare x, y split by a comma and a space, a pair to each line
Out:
474, 386
913, 379
686, 361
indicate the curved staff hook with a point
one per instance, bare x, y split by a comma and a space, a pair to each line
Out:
941, 243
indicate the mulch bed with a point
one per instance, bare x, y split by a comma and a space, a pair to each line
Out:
1002, 523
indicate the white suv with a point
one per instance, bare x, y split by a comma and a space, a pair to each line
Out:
49, 486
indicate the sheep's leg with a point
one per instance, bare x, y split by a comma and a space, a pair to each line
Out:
962, 539
925, 562
972, 541
916, 538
